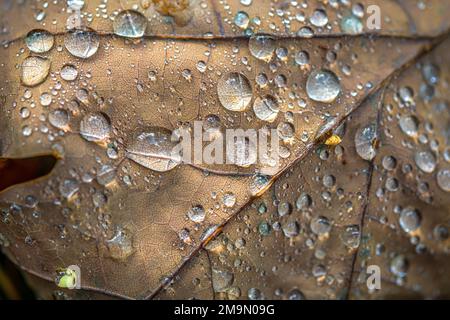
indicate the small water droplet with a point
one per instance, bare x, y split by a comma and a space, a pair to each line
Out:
443, 179
319, 18
365, 139
351, 236
409, 219
69, 72
229, 199
425, 161
197, 214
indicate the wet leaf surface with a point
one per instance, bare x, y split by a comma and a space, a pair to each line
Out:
141, 224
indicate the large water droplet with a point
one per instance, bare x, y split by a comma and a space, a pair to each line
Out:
95, 127
130, 24
39, 41
323, 86
234, 91
266, 108
154, 149
34, 70
82, 43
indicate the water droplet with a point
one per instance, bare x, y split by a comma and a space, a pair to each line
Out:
291, 229
130, 24
304, 201
351, 236
154, 149
221, 280
409, 219
229, 199
430, 73
425, 161
241, 19
106, 175
262, 46
254, 294
389, 163
69, 72
323, 86
399, 266
320, 225
59, 118
365, 139
120, 246
285, 130
39, 41
45, 99
259, 184
264, 228
296, 295
319, 18
284, 208
351, 25
302, 58
82, 43
234, 91
266, 108
197, 214
68, 188
305, 32
35, 70
409, 125
95, 127
75, 4
443, 179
